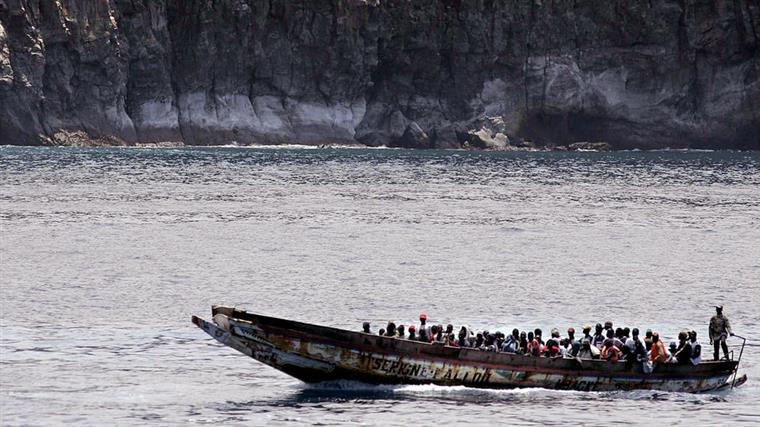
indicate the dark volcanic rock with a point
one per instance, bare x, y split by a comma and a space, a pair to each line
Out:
637, 74
413, 137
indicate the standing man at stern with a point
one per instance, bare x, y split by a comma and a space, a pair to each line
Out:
720, 329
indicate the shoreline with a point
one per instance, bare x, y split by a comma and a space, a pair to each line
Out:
307, 147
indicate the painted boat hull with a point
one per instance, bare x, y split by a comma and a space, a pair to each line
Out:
315, 353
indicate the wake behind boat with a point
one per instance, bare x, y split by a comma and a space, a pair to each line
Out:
314, 353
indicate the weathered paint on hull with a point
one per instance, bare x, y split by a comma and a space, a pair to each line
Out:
319, 361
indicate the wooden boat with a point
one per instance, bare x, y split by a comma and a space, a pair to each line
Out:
315, 353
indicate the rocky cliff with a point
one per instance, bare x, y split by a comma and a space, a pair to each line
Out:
417, 73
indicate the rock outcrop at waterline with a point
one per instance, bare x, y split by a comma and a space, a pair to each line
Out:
421, 73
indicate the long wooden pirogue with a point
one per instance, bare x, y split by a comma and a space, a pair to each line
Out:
315, 353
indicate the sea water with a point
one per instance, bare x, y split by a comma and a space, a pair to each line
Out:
105, 253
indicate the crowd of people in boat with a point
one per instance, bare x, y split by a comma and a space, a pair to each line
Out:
601, 342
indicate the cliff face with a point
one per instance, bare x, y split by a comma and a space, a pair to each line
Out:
422, 73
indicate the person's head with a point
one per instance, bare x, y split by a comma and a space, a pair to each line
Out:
719, 309
515, 333
381, 331
635, 332
523, 336
598, 328
537, 333
400, 330
564, 342
365, 327
610, 333
449, 328
626, 332
673, 347
608, 325
682, 336
434, 329
693, 335
391, 328
619, 332
649, 333
571, 332
423, 318
412, 331
555, 333
463, 332
655, 336
586, 329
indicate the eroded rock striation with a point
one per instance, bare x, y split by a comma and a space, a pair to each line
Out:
421, 73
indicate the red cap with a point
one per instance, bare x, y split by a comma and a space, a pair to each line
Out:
412, 328
571, 330
423, 316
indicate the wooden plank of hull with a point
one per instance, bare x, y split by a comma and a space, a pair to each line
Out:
298, 350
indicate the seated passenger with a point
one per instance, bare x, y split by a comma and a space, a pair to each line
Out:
619, 335
657, 353
523, 343
683, 353
610, 351
489, 342
535, 348
588, 351
648, 341
608, 327
463, 337
570, 337
365, 327
511, 343
452, 341
390, 330
553, 341
552, 349
499, 340
637, 346
478, 340
433, 333
439, 335
615, 339
424, 331
537, 334
412, 333
599, 337
586, 333
671, 351
696, 348
449, 329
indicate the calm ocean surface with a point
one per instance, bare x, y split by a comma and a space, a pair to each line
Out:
106, 253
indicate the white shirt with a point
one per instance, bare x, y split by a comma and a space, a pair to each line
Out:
698, 359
